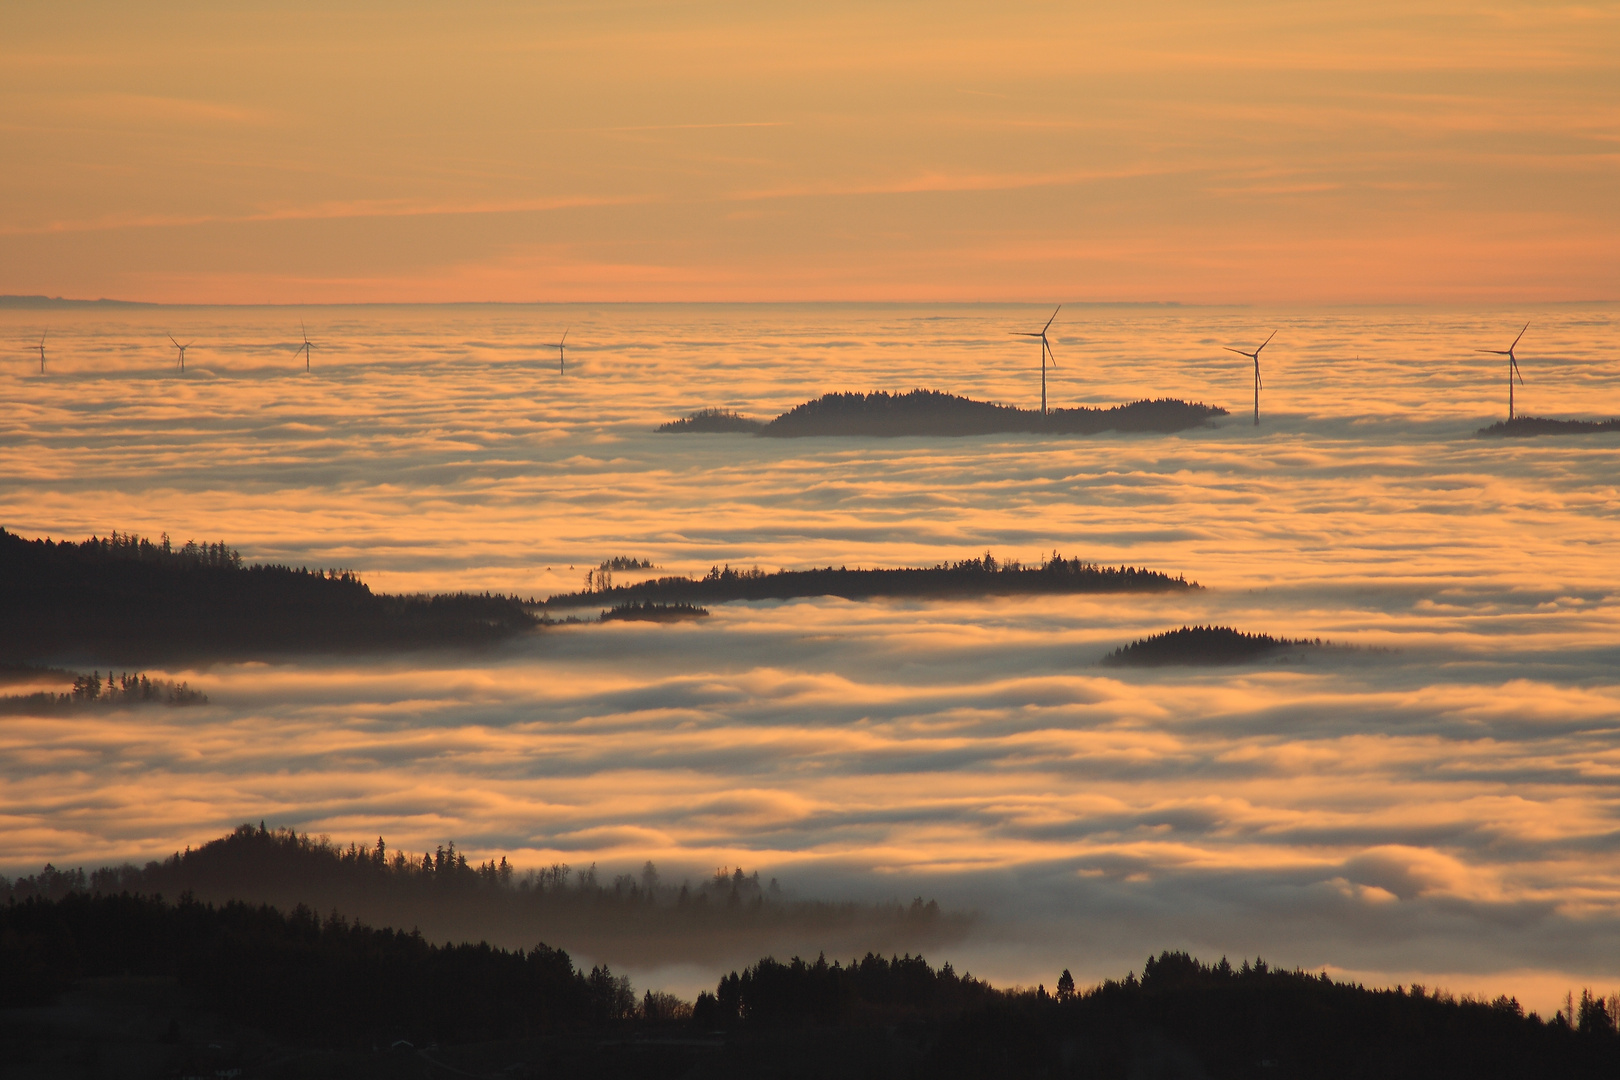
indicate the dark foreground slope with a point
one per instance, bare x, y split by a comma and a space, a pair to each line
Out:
370, 998
983, 576
124, 599
1526, 426
929, 412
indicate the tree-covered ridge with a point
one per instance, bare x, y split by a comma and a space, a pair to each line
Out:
1525, 426
981, 576
930, 412
331, 981
1203, 645
133, 600
641, 914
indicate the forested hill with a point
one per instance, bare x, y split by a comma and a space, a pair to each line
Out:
125, 599
983, 576
314, 982
929, 412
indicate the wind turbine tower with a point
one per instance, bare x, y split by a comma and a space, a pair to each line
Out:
1046, 351
1255, 356
41, 348
1513, 366
182, 349
559, 345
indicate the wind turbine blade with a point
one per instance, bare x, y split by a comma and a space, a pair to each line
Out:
1048, 325
1021, 333
175, 343
1494, 352
1266, 342
564, 340
1050, 354
1240, 352
1521, 334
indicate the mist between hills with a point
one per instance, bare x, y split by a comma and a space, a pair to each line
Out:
637, 919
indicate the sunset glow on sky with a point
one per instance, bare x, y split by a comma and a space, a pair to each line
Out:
1239, 152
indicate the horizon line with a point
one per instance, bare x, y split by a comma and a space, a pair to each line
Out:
41, 302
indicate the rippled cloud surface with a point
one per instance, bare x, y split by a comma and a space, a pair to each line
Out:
1437, 800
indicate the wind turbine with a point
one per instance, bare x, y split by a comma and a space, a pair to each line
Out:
1046, 351
182, 349
305, 347
558, 345
41, 348
1255, 356
1513, 366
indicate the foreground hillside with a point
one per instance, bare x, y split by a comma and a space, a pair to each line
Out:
295, 994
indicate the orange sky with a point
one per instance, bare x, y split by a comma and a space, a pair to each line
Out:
1241, 152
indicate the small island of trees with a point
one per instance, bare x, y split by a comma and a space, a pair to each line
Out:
710, 421
89, 692
1203, 645
1527, 426
648, 611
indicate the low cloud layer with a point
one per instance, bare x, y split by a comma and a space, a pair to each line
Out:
1436, 802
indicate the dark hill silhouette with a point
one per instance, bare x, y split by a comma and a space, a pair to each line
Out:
982, 576
383, 1001
126, 599
929, 412
1202, 645
1525, 426
710, 420
651, 612
728, 917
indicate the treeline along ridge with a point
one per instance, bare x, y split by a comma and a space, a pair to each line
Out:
130, 599
970, 577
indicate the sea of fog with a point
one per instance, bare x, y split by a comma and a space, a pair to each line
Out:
1437, 804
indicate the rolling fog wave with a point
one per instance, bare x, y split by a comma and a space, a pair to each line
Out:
1437, 800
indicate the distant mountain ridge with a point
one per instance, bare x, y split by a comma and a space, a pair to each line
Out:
49, 302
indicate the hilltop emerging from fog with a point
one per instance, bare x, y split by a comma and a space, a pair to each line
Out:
983, 576
129, 599
1526, 426
929, 412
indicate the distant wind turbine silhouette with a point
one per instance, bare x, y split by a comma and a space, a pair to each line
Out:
182, 349
559, 345
1255, 356
305, 347
1046, 351
1513, 366
41, 348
